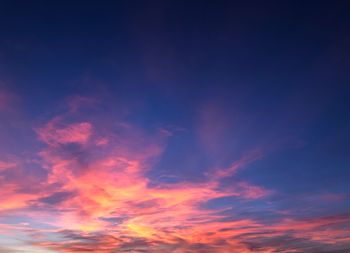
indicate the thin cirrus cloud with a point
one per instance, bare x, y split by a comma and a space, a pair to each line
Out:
92, 193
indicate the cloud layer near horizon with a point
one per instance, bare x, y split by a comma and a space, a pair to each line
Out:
89, 188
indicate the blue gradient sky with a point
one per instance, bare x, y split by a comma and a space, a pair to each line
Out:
174, 126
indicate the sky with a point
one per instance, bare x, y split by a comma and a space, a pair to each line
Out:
174, 126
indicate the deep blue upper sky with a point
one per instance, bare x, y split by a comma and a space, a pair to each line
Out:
274, 69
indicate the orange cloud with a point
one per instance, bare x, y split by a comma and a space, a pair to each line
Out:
12, 199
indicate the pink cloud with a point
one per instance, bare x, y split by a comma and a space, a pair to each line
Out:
99, 197
249, 191
4, 165
53, 133
244, 161
114, 186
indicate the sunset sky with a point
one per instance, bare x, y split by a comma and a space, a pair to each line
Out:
174, 126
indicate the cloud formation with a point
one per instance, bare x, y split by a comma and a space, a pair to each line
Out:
93, 192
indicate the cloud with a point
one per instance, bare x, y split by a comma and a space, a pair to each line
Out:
4, 165
71, 133
243, 162
95, 194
